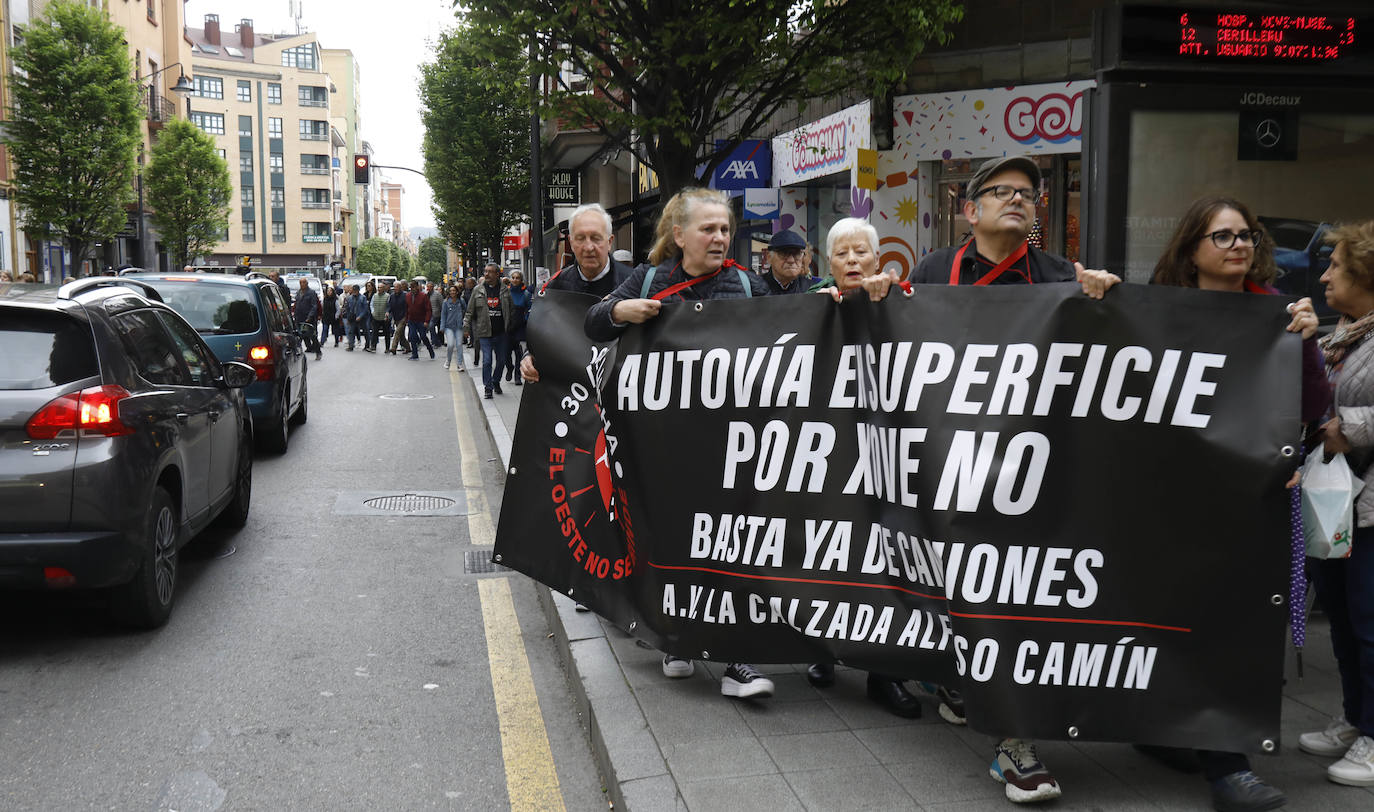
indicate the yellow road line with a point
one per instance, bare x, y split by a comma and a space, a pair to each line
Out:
480, 529
531, 780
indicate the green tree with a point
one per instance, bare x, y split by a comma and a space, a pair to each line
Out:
375, 257
476, 142
433, 255
189, 190
74, 127
670, 77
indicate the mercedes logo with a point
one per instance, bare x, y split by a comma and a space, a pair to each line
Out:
1267, 133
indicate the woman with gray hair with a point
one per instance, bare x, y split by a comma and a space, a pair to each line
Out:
851, 248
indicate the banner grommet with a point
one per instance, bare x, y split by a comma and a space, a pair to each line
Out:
1073, 731
1288, 451
1277, 600
1268, 746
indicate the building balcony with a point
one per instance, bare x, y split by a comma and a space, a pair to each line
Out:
314, 136
160, 108
315, 204
314, 170
313, 103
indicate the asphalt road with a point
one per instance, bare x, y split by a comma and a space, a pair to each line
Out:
327, 656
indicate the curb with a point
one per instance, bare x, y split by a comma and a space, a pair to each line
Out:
630, 759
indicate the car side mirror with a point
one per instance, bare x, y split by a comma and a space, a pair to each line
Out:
1325, 251
238, 374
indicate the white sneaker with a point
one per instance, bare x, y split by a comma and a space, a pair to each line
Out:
445, 365
1356, 767
677, 668
1333, 741
743, 681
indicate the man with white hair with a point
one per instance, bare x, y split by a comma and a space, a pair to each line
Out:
592, 237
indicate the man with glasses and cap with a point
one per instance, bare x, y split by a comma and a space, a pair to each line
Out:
787, 270
1000, 209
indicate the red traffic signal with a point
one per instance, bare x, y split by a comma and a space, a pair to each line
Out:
361, 166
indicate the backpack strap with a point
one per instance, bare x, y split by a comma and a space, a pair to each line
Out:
744, 282
648, 282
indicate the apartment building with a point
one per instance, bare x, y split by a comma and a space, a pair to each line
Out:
266, 101
343, 68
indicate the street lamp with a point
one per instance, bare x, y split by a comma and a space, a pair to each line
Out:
183, 87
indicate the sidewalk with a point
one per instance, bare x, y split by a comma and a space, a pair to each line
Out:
666, 744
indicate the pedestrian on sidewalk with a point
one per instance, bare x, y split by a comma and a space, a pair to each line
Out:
1345, 586
593, 271
1000, 210
488, 313
689, 264
305, 311
418, 317
396, 313
451, 320
1219, 245
515, 333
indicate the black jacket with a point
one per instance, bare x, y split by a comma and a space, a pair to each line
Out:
570, 278
801, 284
728, 284
934, 268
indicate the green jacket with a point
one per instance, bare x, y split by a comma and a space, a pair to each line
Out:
477, 320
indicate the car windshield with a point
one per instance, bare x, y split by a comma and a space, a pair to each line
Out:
1293, 235
211, 308
38, 350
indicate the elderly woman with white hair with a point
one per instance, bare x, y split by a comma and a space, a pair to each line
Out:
851, 246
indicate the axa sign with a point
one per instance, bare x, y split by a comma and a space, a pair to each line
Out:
748, 166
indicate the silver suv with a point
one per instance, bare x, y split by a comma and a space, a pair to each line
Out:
121, 437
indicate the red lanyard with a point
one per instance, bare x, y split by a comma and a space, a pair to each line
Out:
998, 270
680, 286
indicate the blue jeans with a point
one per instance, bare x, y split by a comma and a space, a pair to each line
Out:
354, 329
419, 332
325, 324
453, 341
1345, 586
492, 345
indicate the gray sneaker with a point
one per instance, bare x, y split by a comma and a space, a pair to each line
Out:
673, 667
743, 681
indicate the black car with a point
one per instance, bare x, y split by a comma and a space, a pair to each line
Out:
121, 437
1302, 255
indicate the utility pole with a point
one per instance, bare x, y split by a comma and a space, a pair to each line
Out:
536, 201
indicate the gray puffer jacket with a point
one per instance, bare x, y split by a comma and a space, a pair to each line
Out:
1355, 407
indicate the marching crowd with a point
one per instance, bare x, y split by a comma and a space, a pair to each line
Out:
1218, 245
398, 317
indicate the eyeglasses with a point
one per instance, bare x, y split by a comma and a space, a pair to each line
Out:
786, 255
1226, 239
1005, 193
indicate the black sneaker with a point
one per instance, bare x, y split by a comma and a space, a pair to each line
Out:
1245, 792
951, 703
487, 395
744, 681
496, 387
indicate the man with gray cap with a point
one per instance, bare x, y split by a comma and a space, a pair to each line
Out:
1000, 209
787, 271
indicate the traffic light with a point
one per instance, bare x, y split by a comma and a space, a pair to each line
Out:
361, 165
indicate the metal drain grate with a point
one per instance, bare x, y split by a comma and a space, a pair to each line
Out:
405, 396
476, 562
408, 503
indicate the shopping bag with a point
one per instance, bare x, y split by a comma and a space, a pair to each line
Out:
1329, 489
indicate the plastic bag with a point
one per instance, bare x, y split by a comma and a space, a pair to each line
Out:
1328, 505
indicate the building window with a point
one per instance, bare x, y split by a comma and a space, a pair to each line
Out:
245, 162
316, 232
314, 130
211, 123
278, 197
246, 126
275, 163
315, 198
246, 195
209, 87
278, 231
314, 164
274, 93
249, 231
224, 235
302, 56
223, 156
245, 93
274, 128
310, 96
152, 11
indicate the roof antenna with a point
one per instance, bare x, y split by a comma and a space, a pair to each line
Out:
294, 9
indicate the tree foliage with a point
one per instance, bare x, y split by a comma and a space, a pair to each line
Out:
74, 127
189, 190
670, 77
375, 256
433, 255
476, 144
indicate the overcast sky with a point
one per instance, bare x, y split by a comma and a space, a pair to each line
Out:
389, 40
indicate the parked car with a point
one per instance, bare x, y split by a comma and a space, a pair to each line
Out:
247, 319
121, 438
1302, 255
359, 280
293, 284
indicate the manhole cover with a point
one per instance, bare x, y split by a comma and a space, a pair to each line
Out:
476, 562
408, 503
405, 396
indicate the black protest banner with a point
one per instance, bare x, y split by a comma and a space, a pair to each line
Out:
1070, 510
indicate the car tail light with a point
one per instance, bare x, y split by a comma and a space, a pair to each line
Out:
58, 577
93, 409
261, 359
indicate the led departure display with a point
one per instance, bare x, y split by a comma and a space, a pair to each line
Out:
1220, 35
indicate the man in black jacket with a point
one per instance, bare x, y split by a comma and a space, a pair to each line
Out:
593, 270
306, 310
787, 268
